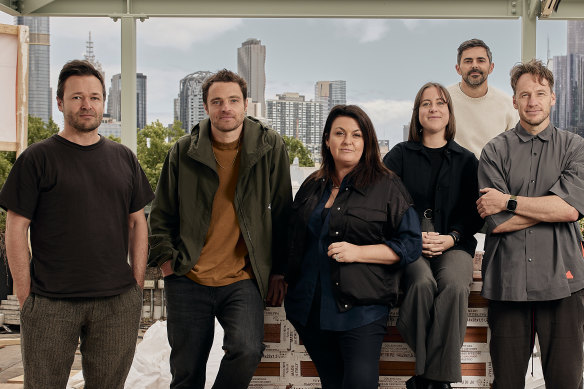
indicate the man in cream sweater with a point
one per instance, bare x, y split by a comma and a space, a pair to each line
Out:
482, 112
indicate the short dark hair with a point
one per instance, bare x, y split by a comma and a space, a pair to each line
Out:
370, 167
469, 44
416, 126
224, 75
78, 67
534, 67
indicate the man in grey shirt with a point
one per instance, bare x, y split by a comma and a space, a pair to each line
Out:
533, 269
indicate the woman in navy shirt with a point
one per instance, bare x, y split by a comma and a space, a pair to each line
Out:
352, 231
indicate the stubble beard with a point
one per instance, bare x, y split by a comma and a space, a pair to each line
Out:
221, 128
474, 83
536, 122
81, 126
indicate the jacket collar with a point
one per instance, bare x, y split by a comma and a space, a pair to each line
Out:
323, 183
253, 145
525, 136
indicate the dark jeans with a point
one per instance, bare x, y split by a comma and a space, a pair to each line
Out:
345, 359
558, 325
191, 310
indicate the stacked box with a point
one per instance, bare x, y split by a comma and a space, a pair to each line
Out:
287, 365
11, 310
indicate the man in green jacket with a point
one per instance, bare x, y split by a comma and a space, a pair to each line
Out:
218, 232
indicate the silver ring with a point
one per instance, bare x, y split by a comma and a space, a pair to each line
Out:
336, 257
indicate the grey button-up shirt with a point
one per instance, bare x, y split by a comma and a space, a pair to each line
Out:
544, 261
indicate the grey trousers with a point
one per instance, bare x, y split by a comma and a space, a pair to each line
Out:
51, 329
433, 316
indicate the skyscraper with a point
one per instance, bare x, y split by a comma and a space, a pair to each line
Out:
330, 93
576, 37
39, 90
292, 116
251, 65
114, 102
568, 113
191, 99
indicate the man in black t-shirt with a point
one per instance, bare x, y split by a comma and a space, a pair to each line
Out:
83, 198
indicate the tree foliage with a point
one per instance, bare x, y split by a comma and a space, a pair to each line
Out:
154, 141
297, 149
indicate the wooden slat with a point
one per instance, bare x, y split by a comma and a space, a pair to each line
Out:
272, 333
270, 369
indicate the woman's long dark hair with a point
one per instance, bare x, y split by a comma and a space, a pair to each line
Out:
370, 167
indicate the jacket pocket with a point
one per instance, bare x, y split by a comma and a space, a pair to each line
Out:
367, 284
364, 225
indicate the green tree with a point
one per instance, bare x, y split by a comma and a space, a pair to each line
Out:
297, 149
154, 141
39, 130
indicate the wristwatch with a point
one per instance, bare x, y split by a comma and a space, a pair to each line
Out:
512, 203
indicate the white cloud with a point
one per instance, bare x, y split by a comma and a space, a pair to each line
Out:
181, 33
388, 117
368, 30
411, 24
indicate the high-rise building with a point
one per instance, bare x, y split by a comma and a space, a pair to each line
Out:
337, 93
251, 65
114, 102
568, 112
191, 99
576, 37
321, 95
39, 88
330, 93
289, 114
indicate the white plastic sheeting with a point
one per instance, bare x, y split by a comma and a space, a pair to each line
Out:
150, 368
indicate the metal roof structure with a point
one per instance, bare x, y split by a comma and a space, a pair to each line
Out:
530, 12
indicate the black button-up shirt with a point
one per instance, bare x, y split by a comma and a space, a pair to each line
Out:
544, 261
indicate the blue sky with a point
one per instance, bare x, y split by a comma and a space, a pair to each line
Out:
384, 61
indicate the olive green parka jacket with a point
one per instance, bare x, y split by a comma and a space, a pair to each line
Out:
181, 211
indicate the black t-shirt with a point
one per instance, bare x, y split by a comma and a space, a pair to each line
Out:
436, 158
78, 199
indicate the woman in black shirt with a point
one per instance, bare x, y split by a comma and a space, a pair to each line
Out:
352, 230
441, 176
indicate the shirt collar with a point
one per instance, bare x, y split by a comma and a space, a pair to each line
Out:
525, 136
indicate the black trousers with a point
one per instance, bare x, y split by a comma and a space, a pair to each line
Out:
559, 327
344, 359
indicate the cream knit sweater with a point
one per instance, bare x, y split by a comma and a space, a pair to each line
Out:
478, 120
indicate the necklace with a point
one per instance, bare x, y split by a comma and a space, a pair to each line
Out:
234, 158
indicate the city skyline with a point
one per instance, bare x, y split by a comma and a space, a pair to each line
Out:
384, 61
568, 112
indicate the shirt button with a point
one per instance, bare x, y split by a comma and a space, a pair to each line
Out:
336, 232
346, 306
531, 231
532, 181
338, 208
346, 188
336, 283
529, 260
